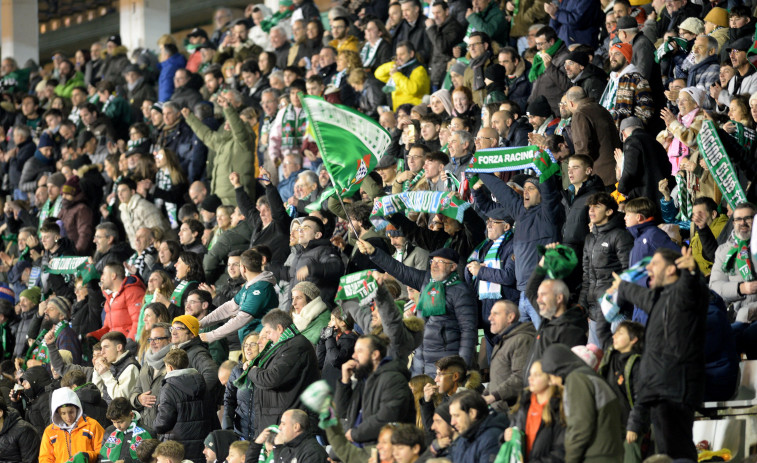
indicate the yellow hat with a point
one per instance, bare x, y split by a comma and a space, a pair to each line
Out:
717, 16
190, 322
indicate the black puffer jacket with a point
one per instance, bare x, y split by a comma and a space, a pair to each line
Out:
380, 399
324, 267
37, 398
92, 403
577, 214
185, 412
549, 445
200, 359
303, 448
281, 379
673, 366
238, 411
19, 441
606, 250
453, 333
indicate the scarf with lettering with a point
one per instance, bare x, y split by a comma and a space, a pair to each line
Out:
111, 448
739, 258
433, 298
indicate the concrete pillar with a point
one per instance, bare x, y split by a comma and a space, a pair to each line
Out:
143, 22
20, 30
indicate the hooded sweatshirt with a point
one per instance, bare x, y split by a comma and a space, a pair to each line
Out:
60, 442
592, 410
243, 313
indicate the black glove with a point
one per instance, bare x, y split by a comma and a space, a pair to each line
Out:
327, 332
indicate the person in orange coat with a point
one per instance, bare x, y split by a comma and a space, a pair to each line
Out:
123, 302
72, 436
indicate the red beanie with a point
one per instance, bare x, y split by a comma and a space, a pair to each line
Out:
626, 49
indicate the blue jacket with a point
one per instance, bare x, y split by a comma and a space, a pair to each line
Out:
238, 411
454, 333
720, 354
165, 79
647, 238
540, 224
577, 21
480, 442
286, 185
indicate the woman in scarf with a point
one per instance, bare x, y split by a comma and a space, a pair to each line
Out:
680, 139
313, 42
152, 312
170, 184
377, 49
740, 124
462, 100
238, 407
309, 313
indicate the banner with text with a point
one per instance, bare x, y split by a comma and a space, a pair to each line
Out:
358, 285
719, 164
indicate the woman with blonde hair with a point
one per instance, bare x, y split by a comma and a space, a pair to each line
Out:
150, 314
417, 384
539, 415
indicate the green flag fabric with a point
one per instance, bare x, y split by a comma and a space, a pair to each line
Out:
66, 265
317, 205
719, 164
446, 203
350, 143
358, 285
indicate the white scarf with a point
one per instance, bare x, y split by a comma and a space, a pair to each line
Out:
309, 313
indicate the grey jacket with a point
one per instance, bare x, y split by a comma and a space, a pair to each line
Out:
726, 284
509, 359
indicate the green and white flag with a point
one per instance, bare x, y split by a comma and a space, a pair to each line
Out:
719, 164
317, 205
351, 144
358, 285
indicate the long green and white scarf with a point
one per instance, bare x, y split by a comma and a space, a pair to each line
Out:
164, 182
368, 52
268, 351
446, 203
111, 448
410, 184
744, 135
178, 294
738, 258
433, 298
488, 289
538, 68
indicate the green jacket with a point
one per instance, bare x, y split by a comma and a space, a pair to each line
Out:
65, 90
256, 300
118, 110
15, 81
234, 153
492, 21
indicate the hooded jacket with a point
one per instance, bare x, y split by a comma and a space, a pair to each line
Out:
122, 309
480, 442
165, 79
19, 440
508, 361
92, 403
577, 213
61, 442
592, 410
38, 399
382, 398
185, 412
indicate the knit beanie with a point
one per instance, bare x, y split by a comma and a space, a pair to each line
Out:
496, 73
693, 25
190, 322
7, 293
45, 140
71, 186
310, 290
443, 411
57, 179
33, 294
717, 16
626, 49
446, 99
62, 304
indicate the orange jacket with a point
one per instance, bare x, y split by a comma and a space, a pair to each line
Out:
59, 445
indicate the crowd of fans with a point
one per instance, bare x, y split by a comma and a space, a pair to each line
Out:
170, 267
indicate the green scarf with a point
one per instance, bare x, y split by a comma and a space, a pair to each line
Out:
177, 297
111, 448
391, 86
38, 350
744, 135
275, 19
433, 299
738, 258
81, 457
267, 352
408, 185
6, 353
538, 68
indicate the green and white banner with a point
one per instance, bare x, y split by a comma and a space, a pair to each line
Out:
358, 285
350, 143
66, 265
503, 159
719, 164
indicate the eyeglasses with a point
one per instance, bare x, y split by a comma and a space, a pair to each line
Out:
748, 219
249, 344
162, 338
178, 328
473, 44
193, 302
485, 138
441, 373
494, 222
541, 44
440, 262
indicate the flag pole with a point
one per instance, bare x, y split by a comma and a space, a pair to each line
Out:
339, 197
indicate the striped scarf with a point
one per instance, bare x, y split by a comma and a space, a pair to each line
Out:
164, 182
487, 289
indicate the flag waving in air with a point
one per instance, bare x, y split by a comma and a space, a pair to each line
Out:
351, 144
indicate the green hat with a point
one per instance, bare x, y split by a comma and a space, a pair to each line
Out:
34, 294
558, 262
